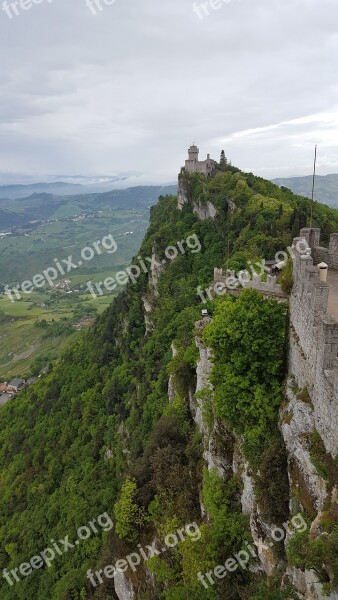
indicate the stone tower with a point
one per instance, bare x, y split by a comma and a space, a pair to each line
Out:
193, 153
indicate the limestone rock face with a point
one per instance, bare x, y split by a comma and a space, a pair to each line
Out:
147, 305
297, 423
232, 205
215, 435
155, 272
147, 312
109, 454
203, 370
222, 452
171, 384
205, 210
307, 585
123, 587
308, 488
182, 197
260, 530
171, 389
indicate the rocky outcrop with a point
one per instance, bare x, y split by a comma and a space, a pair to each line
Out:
309, 491
223, 452
123, 587
109, 454
171, 384
217, 440
307, 585
203, 370
204, 210
148, 309
182, 193
297, 423
231, 204
156, 269
260, 530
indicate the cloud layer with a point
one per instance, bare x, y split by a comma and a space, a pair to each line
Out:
128, 89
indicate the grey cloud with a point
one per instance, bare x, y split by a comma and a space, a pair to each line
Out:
133, 86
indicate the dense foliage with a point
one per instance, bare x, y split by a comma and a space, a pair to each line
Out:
98, 433
248, 339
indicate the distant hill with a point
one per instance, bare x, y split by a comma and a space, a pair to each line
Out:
80, 186
326, 190
46, 206
43, 226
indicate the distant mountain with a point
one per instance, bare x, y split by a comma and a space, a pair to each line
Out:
76, 185
22, 191
326, 190
46, 206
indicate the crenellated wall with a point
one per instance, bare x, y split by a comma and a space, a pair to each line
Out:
246, 279
320, 254
314, 336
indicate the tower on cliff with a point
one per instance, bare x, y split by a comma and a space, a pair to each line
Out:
193, 152
193, 165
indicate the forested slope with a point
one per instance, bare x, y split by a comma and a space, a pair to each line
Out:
99, 434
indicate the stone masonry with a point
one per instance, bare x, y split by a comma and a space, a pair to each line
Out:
193, 165
314, 335
328, 255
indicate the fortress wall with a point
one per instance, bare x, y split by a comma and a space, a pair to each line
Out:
314, 346
320, 254
269, 287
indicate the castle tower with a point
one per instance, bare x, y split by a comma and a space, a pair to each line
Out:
193, 152
193, 165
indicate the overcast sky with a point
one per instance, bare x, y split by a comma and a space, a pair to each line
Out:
130, 88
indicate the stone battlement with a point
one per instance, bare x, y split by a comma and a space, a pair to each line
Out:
245, 279
314, 334
320, 254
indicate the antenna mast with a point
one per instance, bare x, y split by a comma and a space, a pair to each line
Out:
313, 184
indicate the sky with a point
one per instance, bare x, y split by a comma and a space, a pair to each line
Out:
128, 88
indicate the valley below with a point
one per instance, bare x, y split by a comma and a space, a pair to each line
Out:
43, 229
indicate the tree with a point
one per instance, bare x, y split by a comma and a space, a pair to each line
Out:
248, 338
128, 515
223, 160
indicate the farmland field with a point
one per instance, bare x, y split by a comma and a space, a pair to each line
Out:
35, 328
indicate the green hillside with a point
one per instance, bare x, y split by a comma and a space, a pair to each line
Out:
326, 188
44, 228
48, 206
99, 434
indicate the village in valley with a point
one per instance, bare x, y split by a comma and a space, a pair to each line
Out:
13, 388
